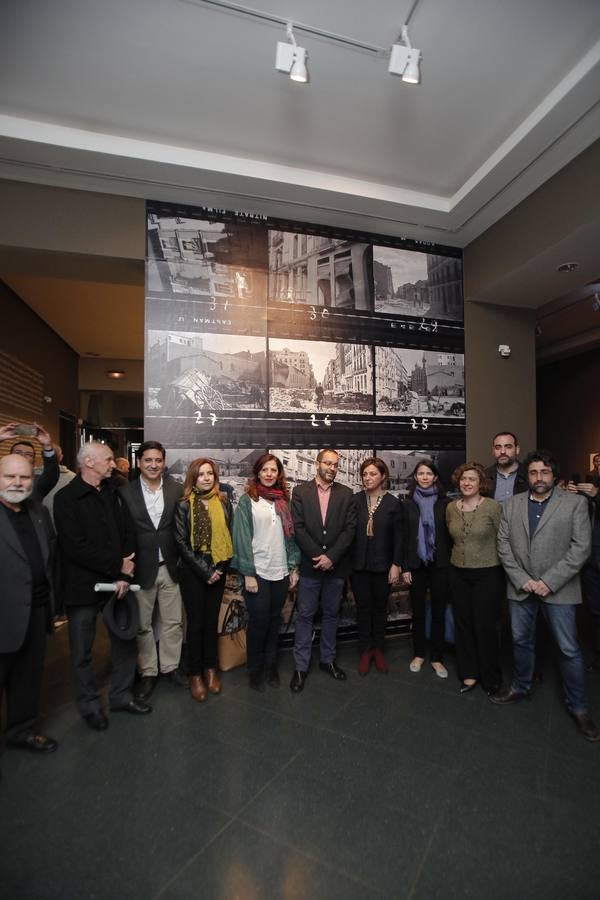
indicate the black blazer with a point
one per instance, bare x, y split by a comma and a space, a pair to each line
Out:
410, 529
385, 547
334, 538
95, 533
149, 538
200, 563
15, 608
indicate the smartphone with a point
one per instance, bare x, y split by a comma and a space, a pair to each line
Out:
576, 477
25, 430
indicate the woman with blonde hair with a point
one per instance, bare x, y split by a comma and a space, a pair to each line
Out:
203, 521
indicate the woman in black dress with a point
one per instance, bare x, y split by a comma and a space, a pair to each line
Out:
376, 551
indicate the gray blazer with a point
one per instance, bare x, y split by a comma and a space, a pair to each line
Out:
560, 546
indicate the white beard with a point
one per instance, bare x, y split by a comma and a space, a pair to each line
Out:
15, 497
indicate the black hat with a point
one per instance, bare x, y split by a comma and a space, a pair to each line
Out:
121, 616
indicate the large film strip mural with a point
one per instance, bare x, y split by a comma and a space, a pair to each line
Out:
264, 334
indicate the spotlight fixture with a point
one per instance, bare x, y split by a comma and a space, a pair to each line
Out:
291, 59
404, 60
115, 373
568, 267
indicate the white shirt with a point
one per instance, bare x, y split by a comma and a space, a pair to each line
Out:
155, 504
268, 542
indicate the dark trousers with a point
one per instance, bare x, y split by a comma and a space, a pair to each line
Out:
436, 580
477, 597
21, 677
590, 582
123, 655
264, 621
370, 591
202, 602
328, 591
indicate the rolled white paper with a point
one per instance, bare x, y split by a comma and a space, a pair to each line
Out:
105, 586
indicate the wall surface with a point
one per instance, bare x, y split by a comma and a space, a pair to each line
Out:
569, 424
27, 338
500, 393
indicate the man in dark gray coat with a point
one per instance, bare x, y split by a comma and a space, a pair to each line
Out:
543, 543
26, 562
151, 500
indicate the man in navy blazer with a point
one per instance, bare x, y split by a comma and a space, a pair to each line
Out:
325, 522
26, 561
151, 500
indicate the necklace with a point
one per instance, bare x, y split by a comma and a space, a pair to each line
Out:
371, 510
468, 522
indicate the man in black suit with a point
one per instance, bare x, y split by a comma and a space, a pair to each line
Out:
97, 544
26, 562
151, 500
325, 521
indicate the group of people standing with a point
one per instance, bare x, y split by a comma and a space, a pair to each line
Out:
509, 529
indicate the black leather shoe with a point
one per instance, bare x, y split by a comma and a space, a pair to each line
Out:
509, 695
37, 743
272, 678
257, 681
334, 670
137, 707
586, 726
97, 721
297, 682
176, 678
145, 686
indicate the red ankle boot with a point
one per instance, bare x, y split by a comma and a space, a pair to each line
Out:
380, 663
364, 663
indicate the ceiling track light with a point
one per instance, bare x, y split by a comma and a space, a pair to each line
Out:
291, 59
404, 60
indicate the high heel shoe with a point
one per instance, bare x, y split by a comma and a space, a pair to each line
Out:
465, 688
197, 688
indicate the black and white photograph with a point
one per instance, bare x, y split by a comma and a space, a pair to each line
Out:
419, 383
320, 377
222, 262
402, 463
300, 465
411, 283
186, 372
316, 270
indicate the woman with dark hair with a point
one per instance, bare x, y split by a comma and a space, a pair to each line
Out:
426, 560
476, 578
267, 555
377, 552
203, 519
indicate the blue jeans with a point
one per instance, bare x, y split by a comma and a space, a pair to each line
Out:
561, 622
329, 590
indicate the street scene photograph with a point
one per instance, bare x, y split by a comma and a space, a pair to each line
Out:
410, 283
320, 377
427, 383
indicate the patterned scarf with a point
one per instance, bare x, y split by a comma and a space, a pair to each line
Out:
275, 495
208, 529
425, 500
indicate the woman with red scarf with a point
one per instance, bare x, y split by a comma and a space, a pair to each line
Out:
203, 535
267, 556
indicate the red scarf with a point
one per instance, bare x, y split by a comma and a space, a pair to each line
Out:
275, 495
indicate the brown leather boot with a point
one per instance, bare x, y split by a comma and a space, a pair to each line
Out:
197, 688
213, 682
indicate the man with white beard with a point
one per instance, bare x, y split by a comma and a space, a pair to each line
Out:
26, 559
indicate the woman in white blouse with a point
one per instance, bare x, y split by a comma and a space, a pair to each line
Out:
267, 556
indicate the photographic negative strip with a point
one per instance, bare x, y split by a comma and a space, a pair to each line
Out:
320, 377
412, 283
300, 465
419, 383
402, 463
234, 465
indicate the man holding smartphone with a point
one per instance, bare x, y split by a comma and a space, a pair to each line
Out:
48, 477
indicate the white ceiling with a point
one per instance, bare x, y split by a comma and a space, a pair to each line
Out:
179, 100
